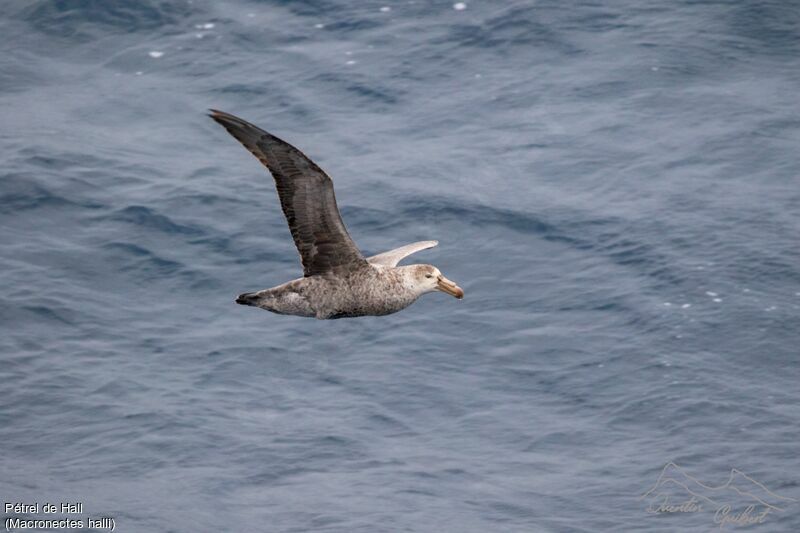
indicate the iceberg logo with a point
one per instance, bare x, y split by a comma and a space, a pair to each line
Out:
740, 501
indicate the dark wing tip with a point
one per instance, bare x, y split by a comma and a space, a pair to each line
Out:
225, 118
243, 131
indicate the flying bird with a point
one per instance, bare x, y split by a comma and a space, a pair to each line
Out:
338, 281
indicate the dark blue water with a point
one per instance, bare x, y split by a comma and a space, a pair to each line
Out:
616, 186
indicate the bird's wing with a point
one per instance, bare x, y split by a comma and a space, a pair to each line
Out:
306, 195
392, 257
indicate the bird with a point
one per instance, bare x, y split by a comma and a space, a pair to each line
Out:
338, 281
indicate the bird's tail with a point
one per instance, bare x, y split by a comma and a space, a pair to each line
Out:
248, 298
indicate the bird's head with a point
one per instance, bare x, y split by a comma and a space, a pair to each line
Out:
427, 278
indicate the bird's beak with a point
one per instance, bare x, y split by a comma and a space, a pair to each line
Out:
445, 285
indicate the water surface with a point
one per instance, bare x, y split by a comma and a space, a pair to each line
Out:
614, 185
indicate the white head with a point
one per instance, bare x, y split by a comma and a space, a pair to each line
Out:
427, 278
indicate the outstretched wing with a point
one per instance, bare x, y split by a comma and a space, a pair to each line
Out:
306, 195
392, 257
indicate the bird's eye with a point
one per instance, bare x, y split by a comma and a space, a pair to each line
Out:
428, 275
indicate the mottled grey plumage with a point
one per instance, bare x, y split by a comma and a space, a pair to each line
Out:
338, 281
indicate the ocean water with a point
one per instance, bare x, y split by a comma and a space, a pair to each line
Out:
615, 185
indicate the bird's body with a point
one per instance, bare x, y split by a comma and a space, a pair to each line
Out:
338, 280
366, 291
